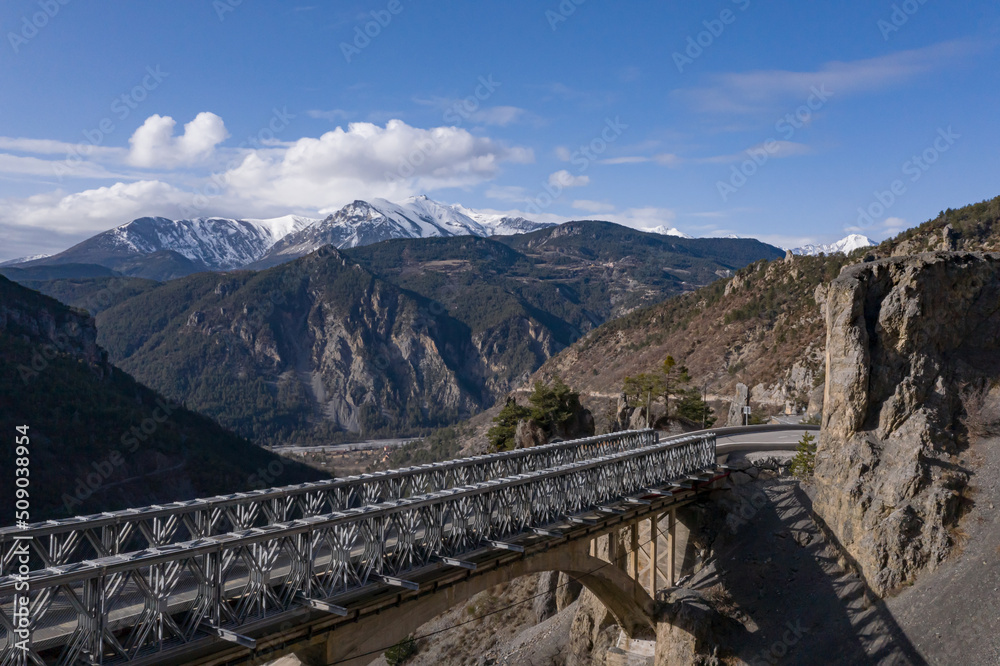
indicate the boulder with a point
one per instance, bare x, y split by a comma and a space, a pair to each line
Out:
905, 335
529, 434
581, 425
638, 420
740, 478
623, 414
815, 408
741, 400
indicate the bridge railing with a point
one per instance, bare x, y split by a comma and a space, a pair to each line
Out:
57, 542
127, 607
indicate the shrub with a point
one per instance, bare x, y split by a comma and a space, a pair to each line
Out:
553, 405
401, 651
501, 435
692, 407
982, 413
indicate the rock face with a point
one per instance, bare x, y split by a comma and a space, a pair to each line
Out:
690, 629
904, 336
740, 401
815, 408
310, 349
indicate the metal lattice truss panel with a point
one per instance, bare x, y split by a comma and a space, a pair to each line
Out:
121, 607
57, 542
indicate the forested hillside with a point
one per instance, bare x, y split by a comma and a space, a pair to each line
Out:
98, 439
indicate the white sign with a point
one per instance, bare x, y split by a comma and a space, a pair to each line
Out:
746, 410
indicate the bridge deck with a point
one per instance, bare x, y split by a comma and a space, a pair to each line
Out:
165, 598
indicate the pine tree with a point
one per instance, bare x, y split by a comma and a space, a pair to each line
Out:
804, 463
501, 435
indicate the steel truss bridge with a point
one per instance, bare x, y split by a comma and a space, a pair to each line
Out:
215, 580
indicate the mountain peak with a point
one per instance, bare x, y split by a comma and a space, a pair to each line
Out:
845, 245
664, 231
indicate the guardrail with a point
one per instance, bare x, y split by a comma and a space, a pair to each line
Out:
57, 542
134, 606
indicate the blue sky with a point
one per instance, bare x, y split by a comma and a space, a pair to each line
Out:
775, 120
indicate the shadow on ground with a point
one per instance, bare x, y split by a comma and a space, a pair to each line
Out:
782, 580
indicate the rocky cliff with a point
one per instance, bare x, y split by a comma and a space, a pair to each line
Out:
906, 338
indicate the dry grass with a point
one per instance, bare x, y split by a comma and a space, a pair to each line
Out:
722, 600
982, 412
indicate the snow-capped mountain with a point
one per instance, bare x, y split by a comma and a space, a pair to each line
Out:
501, 225
366, 222
844, 246
664, 231
23, 260
160, 248
187, 245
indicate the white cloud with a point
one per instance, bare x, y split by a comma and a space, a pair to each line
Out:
507, 193
773, 149
53, 169
886, 228
51, 147
665, 159
306, 176
499, 115
761, 90
893, 225
643, 218
366, 160
94, 210
154, 143
564, 178
592, 206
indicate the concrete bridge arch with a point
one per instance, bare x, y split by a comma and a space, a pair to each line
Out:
624, 597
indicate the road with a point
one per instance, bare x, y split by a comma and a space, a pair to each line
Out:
745, 439
369, 445
780, 441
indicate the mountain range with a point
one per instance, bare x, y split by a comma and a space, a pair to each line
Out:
843, 246
389, 338
159, 248
162, 249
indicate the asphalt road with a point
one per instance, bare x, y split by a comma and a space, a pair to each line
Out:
352, 446
786, 440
